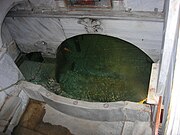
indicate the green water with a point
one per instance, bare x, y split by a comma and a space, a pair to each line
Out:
106, 69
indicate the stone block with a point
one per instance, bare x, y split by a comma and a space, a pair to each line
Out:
80, 126
16, 118
9, 73
9, 108
2, 129
137, 128
3, 97
24, 98
128, 128
33, 94
13, 91
18, 113
3, 122
137, 112
142, 128
3, 125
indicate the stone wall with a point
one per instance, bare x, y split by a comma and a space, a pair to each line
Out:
46, 34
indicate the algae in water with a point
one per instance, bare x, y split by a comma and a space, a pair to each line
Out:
94, 68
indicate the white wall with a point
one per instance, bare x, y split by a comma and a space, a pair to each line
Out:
28, 31
9, 43
168, 83
144, 5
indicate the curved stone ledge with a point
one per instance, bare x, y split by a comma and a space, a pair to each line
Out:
96, 111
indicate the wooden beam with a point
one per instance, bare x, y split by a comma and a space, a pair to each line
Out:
158, 115
152, 97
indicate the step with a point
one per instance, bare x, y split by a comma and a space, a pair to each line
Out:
137, 128
88, 127
8, 110
3, 98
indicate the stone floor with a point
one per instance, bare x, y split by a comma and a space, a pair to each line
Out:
41, 119
31, 122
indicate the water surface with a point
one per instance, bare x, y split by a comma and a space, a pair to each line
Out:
102, 69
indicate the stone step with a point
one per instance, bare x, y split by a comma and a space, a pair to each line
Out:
9, 108
114, 111
3, 98
1, 133
137, 128
15, 119
80, 126
7, 111
3, 124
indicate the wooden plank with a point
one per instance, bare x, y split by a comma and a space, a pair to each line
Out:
152, 97
158, 115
